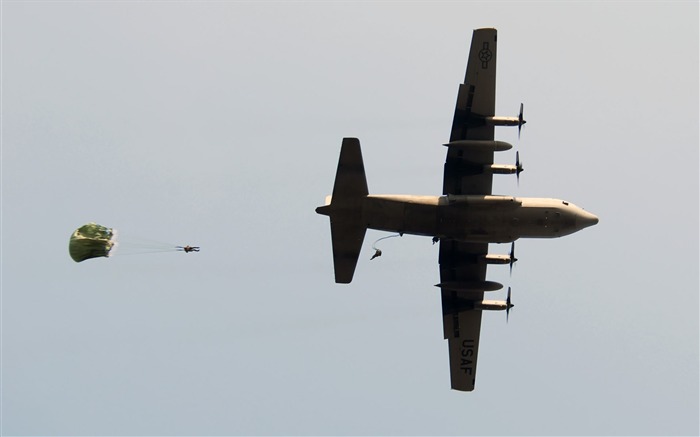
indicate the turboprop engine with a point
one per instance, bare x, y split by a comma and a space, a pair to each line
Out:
490, 146
495, 305
502, 259
491, 305
508, 121
457, 305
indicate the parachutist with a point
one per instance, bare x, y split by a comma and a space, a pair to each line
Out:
377, 251
189, 249
435, 239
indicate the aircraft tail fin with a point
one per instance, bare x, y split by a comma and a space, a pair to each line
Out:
344, 208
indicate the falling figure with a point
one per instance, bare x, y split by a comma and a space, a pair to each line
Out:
189, 248
377, 252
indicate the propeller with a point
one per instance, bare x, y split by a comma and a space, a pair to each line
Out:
521, 120
518, 166
509, 305
513, 259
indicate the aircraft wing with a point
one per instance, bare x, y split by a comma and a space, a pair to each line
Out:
476, 100
462, 271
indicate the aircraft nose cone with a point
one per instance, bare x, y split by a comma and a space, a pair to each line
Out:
586, 219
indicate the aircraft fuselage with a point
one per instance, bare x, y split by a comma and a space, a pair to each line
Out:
489, 219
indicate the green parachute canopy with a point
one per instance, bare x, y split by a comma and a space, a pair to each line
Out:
91, 241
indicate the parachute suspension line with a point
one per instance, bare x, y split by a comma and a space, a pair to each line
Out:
139, 245
121, 253
144, 243
377, 252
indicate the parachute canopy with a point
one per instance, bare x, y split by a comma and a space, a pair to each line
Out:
91, 241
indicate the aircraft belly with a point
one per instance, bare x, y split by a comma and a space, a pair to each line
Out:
401, 216
475, 223
478, 221
478, 225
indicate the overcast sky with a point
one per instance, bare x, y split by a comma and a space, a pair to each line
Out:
219, 124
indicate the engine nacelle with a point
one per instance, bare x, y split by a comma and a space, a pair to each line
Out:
497, 259
503, 121
491, 305
501, 169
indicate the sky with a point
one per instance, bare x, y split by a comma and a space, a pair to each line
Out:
219, 124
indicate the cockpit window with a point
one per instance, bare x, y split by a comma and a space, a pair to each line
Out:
565, 202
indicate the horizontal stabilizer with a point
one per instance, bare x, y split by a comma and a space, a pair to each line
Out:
344, 208
350, 182
347, 236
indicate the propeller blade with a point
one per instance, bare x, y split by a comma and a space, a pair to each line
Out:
509, 305
518, 167
513, 259
521, 121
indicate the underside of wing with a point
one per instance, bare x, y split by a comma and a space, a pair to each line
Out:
477, 95
465, 172
476, 100
463, 347
462, 280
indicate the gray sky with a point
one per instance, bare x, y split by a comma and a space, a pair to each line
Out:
219, 124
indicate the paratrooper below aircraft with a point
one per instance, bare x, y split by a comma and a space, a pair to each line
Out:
465, 219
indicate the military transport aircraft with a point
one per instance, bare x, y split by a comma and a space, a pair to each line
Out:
465, 219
